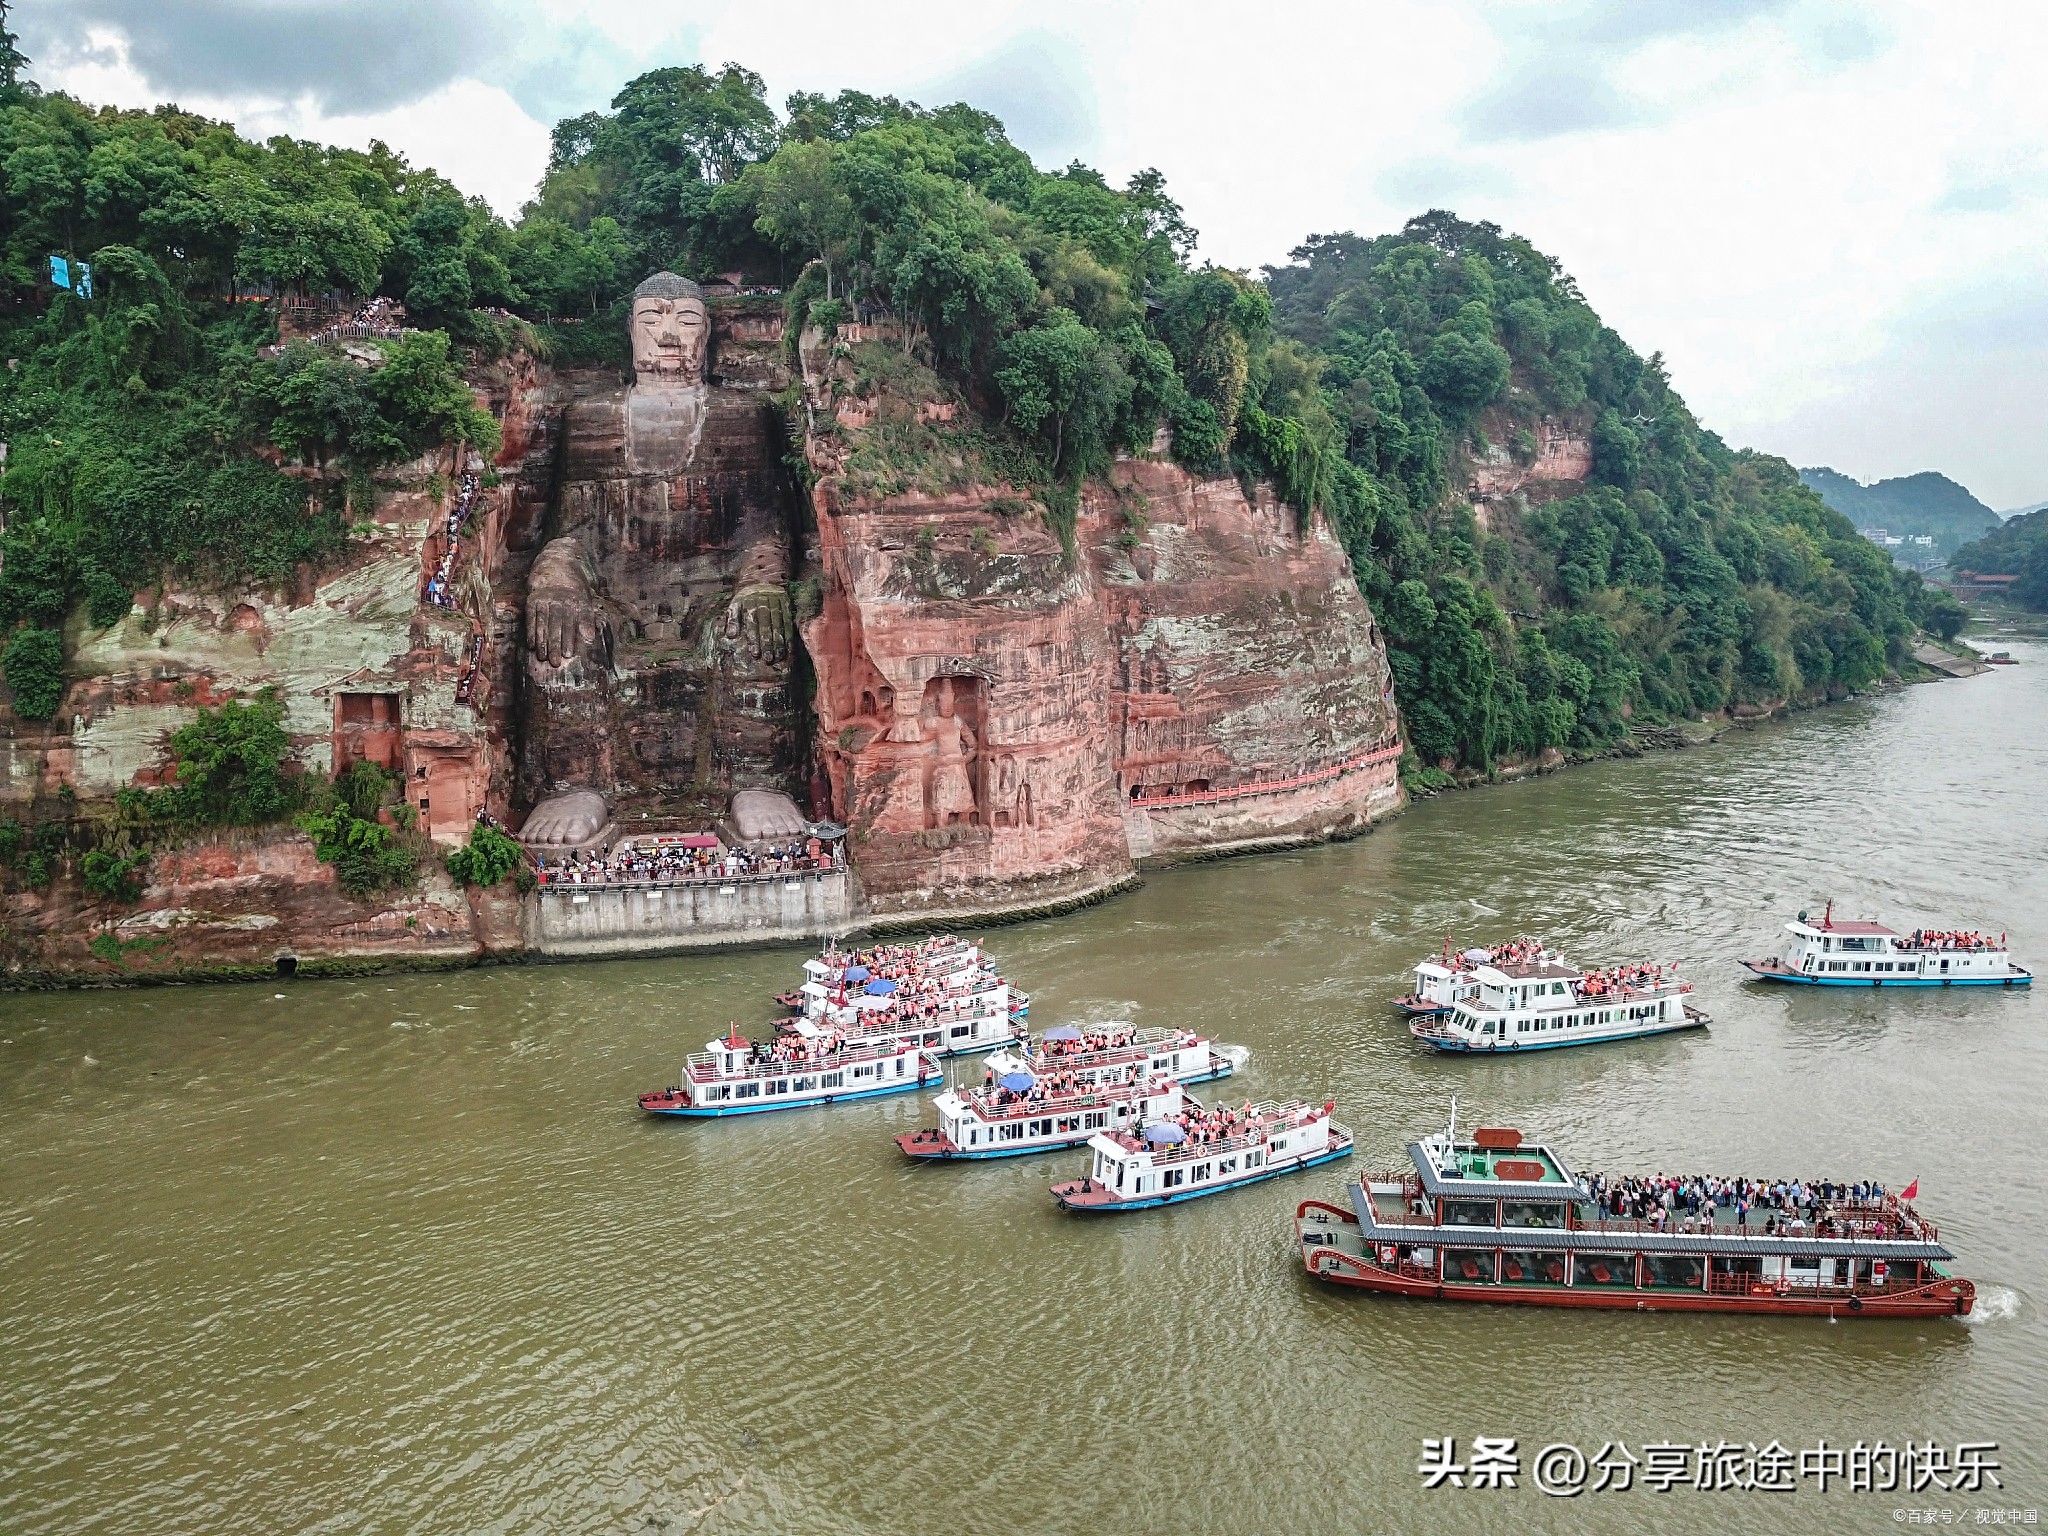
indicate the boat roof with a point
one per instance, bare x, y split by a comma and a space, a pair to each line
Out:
1857, 930
1555, 1238
1527, 970
1478, 1179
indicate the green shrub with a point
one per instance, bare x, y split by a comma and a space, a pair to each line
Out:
490, 856
346, 833
113, 876
34, 665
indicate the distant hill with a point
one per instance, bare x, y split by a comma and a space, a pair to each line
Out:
2038, 506
1927, 504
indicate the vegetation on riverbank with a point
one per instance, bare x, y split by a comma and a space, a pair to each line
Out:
1364, 379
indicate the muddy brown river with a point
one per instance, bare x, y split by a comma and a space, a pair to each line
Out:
400, 1255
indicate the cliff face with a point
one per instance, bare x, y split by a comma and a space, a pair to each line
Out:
1004, 722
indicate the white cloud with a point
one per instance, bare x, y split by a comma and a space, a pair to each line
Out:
1818, 215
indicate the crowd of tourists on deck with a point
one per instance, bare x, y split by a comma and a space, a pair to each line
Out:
1776, 1207
1930, 938
1621, 980
1207, 1127
799, 1049
631, 864
1112, 1038
1045, 1087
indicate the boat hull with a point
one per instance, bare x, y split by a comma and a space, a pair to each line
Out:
1942, 1298
1451, 1046
1771, 970
690, 1111
1073, 1195
930, 1146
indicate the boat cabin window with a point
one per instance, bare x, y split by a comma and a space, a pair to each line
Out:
1470, 1265
1470, 1213
1522, 1268
1603, 1269
1673, 1271
1532, 1213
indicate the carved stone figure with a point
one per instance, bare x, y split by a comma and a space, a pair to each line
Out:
658, 626
569, 820
763, 815
954, 745
671, 330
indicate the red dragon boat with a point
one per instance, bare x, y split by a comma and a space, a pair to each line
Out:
1495, 1219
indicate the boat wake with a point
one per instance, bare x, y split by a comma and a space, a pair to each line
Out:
1995, 1304
1236, 1055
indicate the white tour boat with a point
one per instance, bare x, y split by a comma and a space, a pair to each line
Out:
1168, 1162
1445, 980
1832, 953
733, 1076
1015, 1116
947, 994
1537, 1002
1107, 1056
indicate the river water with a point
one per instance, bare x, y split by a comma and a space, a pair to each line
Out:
400, 1255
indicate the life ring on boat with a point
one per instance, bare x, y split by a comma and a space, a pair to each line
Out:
1855, 1303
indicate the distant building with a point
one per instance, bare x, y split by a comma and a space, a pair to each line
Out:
1981, 583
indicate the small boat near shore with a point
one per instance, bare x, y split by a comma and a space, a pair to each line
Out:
1838, 953
1529, 999
1495, 1219
734, 1076
1169, 1162
943, 989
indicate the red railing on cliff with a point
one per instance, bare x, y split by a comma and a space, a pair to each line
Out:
1171, 800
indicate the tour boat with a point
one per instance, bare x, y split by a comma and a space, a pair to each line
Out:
2001, 659
1443, 981
732, 1076
1163, 1164
1534, 1001
1104, 1057
1833, 953
1496, 1219
1013, 1117
959, 1003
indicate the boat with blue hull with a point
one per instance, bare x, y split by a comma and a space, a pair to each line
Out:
1536, 1002
1204, 1153
1836, 952
733, 1076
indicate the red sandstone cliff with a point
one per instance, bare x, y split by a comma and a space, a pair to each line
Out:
1005, 722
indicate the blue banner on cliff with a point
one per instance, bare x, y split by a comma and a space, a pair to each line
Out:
60, 271
84, 280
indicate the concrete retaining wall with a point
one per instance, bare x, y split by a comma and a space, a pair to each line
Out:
639, 920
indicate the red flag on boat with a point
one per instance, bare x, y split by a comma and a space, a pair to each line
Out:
1911, 1191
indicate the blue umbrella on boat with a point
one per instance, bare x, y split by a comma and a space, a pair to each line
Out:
1016, 1082
1164, 1134
1063, 1032
858, 973
881, 986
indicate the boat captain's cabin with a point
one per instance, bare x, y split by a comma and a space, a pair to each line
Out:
1493, 1180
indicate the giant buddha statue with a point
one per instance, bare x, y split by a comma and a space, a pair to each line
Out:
658, 635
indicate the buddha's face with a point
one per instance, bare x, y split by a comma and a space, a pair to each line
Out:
668, 340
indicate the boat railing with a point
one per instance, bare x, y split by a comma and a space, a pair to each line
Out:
1147, 1043
1275, 1118
703, 1066
1888, 1218
1583, 999
986, 1110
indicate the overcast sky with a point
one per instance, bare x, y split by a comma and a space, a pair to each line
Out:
1829, 217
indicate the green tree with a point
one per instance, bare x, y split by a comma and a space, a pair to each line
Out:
1065, 383
34, 665
488, 857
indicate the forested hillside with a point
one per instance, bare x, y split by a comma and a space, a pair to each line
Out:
151, 434
1684, 577
2017, 547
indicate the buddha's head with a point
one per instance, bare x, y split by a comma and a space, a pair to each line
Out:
670, 330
